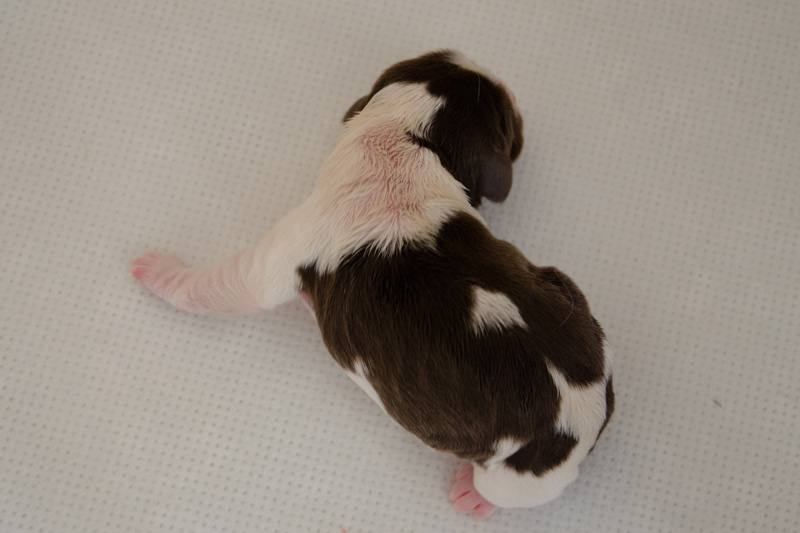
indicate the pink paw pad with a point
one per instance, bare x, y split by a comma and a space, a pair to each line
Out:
156, 270
466, 498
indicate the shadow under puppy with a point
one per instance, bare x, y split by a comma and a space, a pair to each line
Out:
454, 333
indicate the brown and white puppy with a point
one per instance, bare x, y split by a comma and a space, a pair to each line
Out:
454, 333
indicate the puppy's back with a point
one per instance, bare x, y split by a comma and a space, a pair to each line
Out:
468, 345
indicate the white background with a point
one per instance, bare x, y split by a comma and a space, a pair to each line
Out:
661, 171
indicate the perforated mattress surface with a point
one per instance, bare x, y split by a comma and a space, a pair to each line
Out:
661, 172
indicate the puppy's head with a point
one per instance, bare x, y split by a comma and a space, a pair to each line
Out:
477, 133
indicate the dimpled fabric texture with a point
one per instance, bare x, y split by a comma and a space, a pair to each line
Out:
661, 171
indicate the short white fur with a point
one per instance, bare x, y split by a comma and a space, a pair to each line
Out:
359, 374
503, 449
377, 188
582, 410
494, 310
505, 487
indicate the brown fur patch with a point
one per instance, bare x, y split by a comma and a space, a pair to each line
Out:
407, 318
477, 134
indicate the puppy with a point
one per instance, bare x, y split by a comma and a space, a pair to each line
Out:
454, 333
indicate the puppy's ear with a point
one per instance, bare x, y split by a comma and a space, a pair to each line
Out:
360, 104
495, 178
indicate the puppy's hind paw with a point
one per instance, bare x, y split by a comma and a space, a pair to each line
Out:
466, 498
158, 272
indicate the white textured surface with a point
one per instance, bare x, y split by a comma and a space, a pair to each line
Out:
661, 171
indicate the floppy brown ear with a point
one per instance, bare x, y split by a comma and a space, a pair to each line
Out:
360, 104
494, 181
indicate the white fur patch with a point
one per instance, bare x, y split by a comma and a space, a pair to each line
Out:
582, 410
359, 375
503, 449
494, 310
505, 487
378, 186
608, 355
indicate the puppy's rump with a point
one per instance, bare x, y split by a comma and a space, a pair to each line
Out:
476, 351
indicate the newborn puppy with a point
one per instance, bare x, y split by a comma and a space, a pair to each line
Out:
454, 333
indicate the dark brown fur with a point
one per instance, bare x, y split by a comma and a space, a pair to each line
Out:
477, 135
407, 317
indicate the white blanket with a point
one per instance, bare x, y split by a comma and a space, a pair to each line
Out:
661, 171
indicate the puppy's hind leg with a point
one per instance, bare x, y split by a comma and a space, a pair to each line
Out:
252, 280
465, 497
223, 288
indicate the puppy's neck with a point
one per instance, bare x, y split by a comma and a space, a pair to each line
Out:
380, 189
